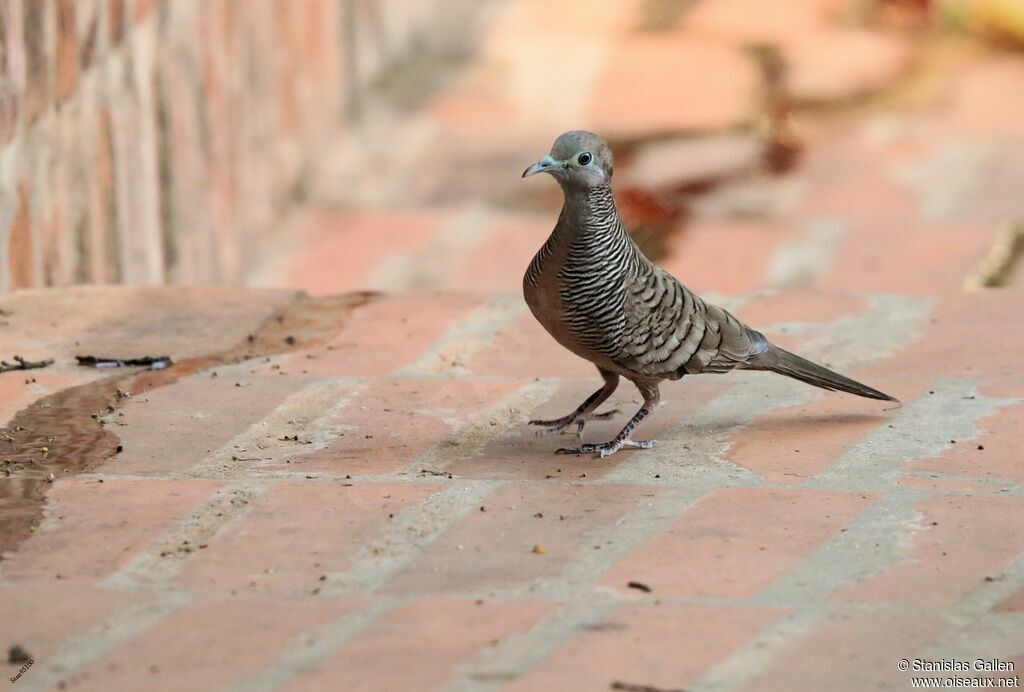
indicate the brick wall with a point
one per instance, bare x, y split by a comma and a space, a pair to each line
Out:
149, 141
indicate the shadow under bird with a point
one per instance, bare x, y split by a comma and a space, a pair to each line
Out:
596, 293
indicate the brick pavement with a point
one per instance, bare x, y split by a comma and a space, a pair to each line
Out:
372, 522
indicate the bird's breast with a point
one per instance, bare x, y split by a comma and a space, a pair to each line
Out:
576, 295
542, 292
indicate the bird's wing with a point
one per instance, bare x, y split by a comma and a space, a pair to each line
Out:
669, 331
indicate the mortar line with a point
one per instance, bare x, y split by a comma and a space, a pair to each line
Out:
404, 539
156, 565
324, 398
752, 660
470, 440
754, 657
433, 264
448, 354
581, 601
79, 651
310, 646
269, 477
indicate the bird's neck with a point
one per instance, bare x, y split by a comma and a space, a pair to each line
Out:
585, 211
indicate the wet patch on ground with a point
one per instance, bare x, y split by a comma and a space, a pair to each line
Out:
67, 433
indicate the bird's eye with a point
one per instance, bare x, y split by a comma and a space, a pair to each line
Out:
584, 158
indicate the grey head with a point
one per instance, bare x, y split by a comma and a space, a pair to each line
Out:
578, 160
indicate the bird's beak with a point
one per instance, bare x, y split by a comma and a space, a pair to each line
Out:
545, 164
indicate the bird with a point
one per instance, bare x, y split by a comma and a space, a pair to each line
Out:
600, 297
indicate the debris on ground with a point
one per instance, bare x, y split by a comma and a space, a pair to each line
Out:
152, 362
22, 364
640, 586
539, 549
16, 655
629, 687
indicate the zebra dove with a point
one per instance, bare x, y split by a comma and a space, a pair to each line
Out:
597, 294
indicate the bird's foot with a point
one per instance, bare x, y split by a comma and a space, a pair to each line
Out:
560, 425
606, 449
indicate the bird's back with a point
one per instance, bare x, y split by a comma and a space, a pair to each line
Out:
671, 331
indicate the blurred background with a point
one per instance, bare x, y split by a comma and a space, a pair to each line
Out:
333, 145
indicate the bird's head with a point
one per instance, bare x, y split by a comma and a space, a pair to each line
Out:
578, 160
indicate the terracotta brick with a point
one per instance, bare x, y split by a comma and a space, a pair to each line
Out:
824, 62
12, 69
71, 610
190, 197
950, 253
527, 18
67, 49
500, 258
296, 532
420, 645
997, 458
494, 548
738, 21
751, 245
792, 444
38, 68
661, 645
103, 214
180, 322
843, 64
286, 103
982, 100
136, 174
55, 231
853, 651
958, 541
143, 8
470, 145
719, 87
20, 258
988, 206
713, 549
183, 651
93, 527
389, 333
952, 330
171, 429
389, 424
87, 31
115, 19
768, 308
343, 251
893, 232
523, 349
237, 176
465, 108
691, 161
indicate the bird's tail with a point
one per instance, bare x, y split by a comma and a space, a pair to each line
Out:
783, 362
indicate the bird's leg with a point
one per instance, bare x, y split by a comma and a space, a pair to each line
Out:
584, 411
605, 449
